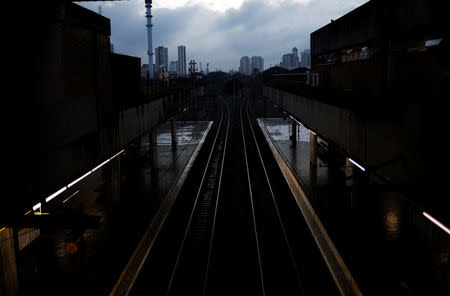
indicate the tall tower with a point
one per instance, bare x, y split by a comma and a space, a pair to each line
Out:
181, 60
148, 15
295, 62
245, 65
162, 60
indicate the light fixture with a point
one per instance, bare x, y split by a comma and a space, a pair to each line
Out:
357, 164
79, 179
55, 194
100, 165
436, 222
37, 206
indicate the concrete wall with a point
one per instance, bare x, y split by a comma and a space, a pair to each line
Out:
134, 122
54, 121
400, 134
403, 22
9, 280
126, 79
63, 119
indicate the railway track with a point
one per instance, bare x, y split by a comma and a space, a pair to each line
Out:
189, 274
235, 229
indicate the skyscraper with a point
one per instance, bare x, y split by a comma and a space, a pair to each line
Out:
173, 66
257, 63
290, 60
162, 60
306, 58
245, 66
181, 60
287, 61
295, 51
296, 60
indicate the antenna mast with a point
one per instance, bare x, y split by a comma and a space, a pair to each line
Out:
148, 15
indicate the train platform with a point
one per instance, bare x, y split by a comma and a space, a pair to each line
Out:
89, 261
383, 239
235, 228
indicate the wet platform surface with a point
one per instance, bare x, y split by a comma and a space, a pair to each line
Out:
388, 245
102, 253
236, 233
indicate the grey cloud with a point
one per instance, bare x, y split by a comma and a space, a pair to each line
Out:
222, 38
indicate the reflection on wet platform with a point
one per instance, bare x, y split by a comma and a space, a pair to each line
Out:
387, 243
141, 185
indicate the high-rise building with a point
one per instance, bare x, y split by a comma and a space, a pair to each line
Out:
296, 60
257, 63
290, 60
173, 66
181, 60
162, 60
306, 58
287, 61
295, 52
244, 68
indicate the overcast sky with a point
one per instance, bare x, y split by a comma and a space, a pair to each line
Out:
220, 32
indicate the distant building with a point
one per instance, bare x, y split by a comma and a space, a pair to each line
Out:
257, 63
162, 60
173, 66
306, 59
295, 53
287, 61
290, 60
144, 71
244, 67
181, 60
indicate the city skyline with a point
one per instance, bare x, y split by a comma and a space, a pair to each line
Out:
207, 29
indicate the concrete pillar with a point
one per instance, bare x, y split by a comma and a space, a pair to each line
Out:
349, 171
313, 148
153, 155
9, 279
115, 179
153, 149
348, 168
294, 133
265, 108
174, 136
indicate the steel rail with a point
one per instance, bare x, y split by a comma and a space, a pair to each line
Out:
217, 200
195, 203
253, 208
135, 263
276, 207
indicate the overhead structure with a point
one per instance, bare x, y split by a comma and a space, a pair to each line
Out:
148, 15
